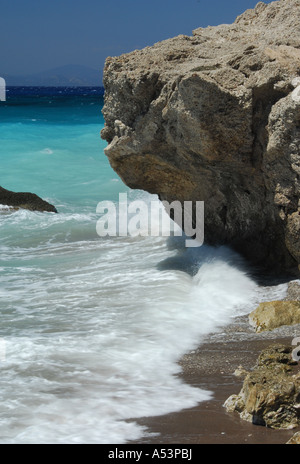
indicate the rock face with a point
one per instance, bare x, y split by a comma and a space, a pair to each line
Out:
271, 392
24, 200
272, 314
215, 117
293, 292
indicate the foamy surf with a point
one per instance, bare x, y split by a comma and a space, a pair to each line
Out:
95, 340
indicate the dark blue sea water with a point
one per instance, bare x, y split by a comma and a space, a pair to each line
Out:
92, 328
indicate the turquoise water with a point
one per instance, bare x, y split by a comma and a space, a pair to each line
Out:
55, 150
92, 328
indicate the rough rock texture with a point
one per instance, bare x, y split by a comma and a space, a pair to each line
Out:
216, 117
270, 394
272, 314
295, 440
293, 292
25, 200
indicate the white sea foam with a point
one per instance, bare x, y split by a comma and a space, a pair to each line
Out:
94, 331
94, 328
47, 151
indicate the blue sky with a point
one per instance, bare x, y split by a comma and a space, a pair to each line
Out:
36, 35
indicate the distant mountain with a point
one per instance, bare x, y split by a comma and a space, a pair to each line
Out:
63, 76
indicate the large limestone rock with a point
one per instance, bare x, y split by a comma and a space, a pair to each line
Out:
270, 395
216, 117
25, 200
273, 314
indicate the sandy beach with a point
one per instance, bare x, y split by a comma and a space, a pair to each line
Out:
212, 367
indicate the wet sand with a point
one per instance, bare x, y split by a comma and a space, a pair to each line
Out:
211, 367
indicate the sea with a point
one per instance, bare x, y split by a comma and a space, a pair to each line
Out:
92, 328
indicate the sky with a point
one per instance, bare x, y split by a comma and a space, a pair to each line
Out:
37, 35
